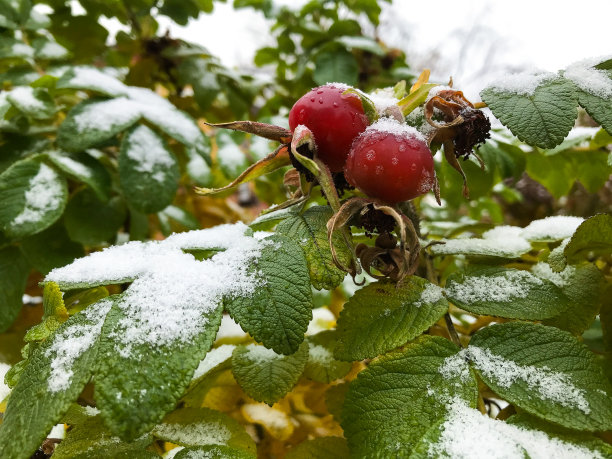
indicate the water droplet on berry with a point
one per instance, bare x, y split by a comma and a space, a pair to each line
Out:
370, 155
379, 170
414, 167
312, 99
320, 91
402, 147
335, 104
395, 160
320, 100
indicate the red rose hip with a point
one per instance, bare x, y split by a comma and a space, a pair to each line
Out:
335, 119
390, 161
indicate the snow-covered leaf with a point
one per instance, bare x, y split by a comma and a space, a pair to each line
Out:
265, 375
538, 109
49, 50
398, 397
92, 79
53, 378
148, 171
551, 229
33, 102
593, 236
502, 242
382, 316
214, 452
505, 292
320, 448
33, 197
544, 371
84, 168
278, 312
322, 366
11, 48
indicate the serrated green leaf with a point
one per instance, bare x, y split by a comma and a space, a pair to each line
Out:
148, 171
279, 311
203, 426
50, 249
11, 48
593, 236
33, 102
49, 50
382, 316
310, 229
265, 375
598, 107
14, 271
320, 448
214, 452
504, 292
322, 366
335, 66
33, 197
584, 286
53, 378
216, 362
93, 121
91, 439
544, 371
84, 168
397, 398
137, 384
90, 221
542, 119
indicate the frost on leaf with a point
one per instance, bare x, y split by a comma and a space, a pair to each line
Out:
500, 242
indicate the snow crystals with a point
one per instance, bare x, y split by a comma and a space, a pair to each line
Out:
467, 433
24, 97
197, 433
431, 294
503, 287
44, 195
259, 354
551, 228
172, 292
522, 84
391, 126
504, 241
149, 153
589, 79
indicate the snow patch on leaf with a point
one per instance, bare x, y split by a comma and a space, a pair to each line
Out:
45, 194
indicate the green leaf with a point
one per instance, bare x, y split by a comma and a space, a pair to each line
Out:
55, 314
216, 362
310, 228
11, 48
584, 286
322, 366
33, 197
598, 107
382, 316
91, 221
148, 171
50, 249
197, 167
92, 79
362, 43
542, 119
14, 271
544, 371
93, 121
504, 292
203, 426
53, 378
214, 452
335, 66
265, 375
139, 380
84, 168
200, 75
398, 397
320, 448
16, 147
593, 236
279, 311
91, 439
33, 102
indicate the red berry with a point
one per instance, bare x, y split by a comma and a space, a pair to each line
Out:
390, 161
335, 119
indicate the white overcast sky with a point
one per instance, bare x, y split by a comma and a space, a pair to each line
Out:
472, 40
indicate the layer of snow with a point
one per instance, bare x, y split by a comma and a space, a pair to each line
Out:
431, 294
589, 79
86, 77
394, 127
75, 167
560, 279
320, 354
266, 415
383, 99
72, 342
550, 385
24, 98
107, 115
523, 83
503, 241
148, 151
505, 286
260, 354
44, 195
433, 92
213, 358
172, 291
551, 228
469, 434
51, 50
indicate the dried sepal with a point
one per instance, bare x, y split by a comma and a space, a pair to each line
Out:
267, 131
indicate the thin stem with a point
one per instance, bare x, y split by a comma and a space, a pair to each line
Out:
451, 330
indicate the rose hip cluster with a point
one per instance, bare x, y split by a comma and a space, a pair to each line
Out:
386, 160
